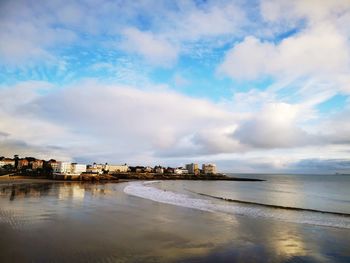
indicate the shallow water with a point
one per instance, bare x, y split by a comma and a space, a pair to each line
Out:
83, 222
174, 193
320, 192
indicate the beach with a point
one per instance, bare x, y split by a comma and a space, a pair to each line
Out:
102, 222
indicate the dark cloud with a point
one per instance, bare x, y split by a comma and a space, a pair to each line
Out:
4, 134
322, 166
10, 147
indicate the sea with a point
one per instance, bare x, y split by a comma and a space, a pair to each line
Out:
285, 218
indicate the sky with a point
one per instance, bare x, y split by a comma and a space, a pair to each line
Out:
253, 86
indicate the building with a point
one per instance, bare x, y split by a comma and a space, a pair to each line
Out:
72, 168
180, 170
148, 169
169, 170
37, 164
116, 168
23, 163
96, 168
139, 169
7, 161
159, 169
209, 168
54, 165
65, 168
78, 168
192, 168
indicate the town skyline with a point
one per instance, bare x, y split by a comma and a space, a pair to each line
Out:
253, 86
18, 163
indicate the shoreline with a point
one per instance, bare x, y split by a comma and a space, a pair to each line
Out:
5, 179
191, 177
31, 179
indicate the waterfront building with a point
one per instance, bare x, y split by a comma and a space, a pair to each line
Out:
169, 170
192, 168
54, 165
65, 168
7, 161
96, 168
209, 168
78, 168
72, 168
158, 169
111, 168
37, 164
23, 163
136, 169
180, 170
148, 169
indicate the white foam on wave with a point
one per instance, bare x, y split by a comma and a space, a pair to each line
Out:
147, 191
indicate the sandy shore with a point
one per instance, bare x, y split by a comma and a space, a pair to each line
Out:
29, 180
124, 178
22, 180
87, 222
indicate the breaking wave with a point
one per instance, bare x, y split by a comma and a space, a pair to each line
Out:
271, 206
238, 207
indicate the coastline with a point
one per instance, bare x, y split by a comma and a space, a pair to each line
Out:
122, 177
31, 179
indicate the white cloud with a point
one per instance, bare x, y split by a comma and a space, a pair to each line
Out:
94, 121
25, 132
248, 59
213, 19
307, 69
27, 34
22, 148
114, 119
31, 31
275, 126
304, 54
155, 49
301, 46
313, 10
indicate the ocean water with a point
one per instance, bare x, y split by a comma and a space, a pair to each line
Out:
312, 199
288, 218
320, 192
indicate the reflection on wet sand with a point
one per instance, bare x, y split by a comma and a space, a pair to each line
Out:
70, 190
24, 190
79, 222
291, 246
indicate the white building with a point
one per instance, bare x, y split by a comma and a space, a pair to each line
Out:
148, 169
65, 168
7, 161
209, 168
159, 170
180, 171
78, 168
96, 168
116, 168
55, 166
72, 168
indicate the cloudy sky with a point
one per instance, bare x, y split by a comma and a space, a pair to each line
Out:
254, 86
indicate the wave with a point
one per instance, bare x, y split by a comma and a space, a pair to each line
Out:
238, 207
271, 206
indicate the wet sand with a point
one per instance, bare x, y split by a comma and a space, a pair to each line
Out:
21, 180
85, 222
